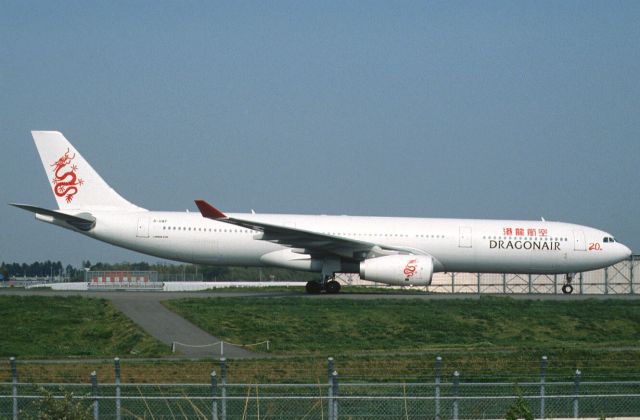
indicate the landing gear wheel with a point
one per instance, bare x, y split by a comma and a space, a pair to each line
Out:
313, 287
333, 287
567, 289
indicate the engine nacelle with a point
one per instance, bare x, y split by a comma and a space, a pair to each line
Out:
398, 269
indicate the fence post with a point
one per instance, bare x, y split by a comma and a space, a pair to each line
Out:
214, 395
606, 281
438, 373
581, 279
116, 362
94, 392
335, 392
631, 289
576, 392
330, 392
223, 382
14, 383
478, 281
530, 283
456, 389
453, 278
543, 372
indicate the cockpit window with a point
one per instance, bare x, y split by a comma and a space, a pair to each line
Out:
608, 239
605, 240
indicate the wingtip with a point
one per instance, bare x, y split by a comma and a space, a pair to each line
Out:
208, 211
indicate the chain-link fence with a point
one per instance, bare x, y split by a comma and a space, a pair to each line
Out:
448, 397
620, 278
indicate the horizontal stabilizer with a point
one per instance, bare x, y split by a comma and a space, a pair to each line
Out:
83, 221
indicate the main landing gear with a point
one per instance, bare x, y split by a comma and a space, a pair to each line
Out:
329, 285
567, 288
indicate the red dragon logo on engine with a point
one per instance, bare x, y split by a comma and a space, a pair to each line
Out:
65, 181
410, 268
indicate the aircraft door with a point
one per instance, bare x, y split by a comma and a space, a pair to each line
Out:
143, 227
465, 237
578, 241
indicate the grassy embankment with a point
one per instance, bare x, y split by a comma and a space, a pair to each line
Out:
54, 327
376, 339
344, 326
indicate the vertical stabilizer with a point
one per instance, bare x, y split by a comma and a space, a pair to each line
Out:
75, 184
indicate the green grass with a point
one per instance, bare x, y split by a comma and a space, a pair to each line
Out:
49, 327
375, 340
383, 339
345, 326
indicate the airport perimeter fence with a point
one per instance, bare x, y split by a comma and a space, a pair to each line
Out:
448, 397
620, 278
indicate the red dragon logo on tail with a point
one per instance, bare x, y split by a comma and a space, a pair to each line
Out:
65, 181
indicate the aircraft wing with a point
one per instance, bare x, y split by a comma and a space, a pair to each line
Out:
308, 242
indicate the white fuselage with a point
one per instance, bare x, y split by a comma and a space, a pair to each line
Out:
391, 250
460, 245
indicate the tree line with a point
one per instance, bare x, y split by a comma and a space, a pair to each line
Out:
14, 270
35, 269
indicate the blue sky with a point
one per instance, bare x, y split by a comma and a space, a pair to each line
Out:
435, 109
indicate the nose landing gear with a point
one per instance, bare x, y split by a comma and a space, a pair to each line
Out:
567, 288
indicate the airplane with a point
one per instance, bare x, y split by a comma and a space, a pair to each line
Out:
390, 250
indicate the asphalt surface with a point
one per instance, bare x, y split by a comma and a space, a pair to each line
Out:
160, 296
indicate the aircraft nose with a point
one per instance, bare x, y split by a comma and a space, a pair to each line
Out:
626, 251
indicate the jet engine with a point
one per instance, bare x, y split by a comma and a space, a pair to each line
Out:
398, 269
